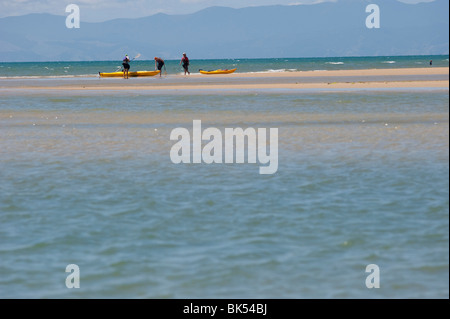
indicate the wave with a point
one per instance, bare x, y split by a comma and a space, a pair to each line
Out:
31, 77
334, 63
389, 62
281, 70
275, 70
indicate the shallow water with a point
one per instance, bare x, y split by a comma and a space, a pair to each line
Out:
362, 179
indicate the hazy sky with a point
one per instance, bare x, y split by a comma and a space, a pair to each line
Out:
101, 10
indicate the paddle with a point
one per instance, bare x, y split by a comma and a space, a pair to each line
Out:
137, 56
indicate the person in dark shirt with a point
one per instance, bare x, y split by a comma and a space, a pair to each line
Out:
185, 62
159, 63
126, 66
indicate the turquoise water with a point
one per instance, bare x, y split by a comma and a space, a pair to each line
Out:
91, 69
87, 179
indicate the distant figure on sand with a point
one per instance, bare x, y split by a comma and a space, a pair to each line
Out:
159, 63
185, 62
126, 66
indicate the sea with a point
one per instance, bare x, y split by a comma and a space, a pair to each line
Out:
92, 204
63, 69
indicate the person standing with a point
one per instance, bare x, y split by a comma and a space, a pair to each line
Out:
185, 62
126, 66
159, 63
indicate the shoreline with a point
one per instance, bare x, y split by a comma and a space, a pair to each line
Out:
428, 77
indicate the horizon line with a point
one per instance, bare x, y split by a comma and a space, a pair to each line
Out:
320, 57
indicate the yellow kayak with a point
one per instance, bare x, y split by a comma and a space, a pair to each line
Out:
219, 71
130, 74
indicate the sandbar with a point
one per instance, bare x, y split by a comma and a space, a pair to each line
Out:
429, 77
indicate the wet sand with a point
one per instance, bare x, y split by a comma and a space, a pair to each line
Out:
342, 79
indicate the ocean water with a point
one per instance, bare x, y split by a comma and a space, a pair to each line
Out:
66, 69
362, 179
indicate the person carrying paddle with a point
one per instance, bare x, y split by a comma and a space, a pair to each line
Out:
126, 66
185, 62
159, 63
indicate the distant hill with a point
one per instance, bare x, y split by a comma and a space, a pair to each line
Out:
319, 30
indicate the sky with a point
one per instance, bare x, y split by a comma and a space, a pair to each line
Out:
102, 10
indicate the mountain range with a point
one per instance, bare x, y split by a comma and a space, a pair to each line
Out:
327, 29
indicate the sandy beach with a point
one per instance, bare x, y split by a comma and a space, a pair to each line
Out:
339, 79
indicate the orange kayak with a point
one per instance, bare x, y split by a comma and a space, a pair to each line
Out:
130, 74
